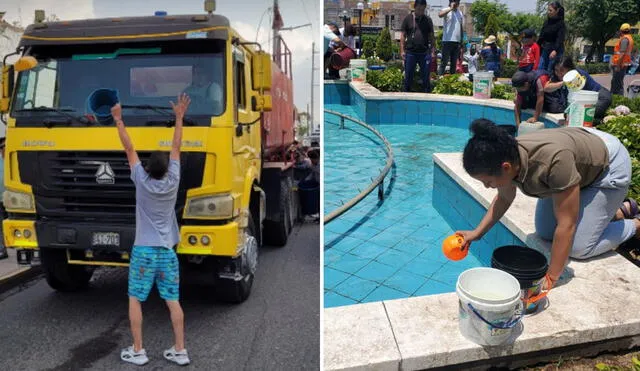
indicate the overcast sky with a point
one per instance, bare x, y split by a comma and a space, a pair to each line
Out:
245, 16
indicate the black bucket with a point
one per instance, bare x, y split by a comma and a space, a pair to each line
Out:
309, 198
527, 265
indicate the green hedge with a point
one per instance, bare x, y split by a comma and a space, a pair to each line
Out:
627, 129
508, 69
392, 79
633, 104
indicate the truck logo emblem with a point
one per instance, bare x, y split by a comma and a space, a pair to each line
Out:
105, 174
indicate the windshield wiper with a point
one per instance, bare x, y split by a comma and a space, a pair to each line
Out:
61, 111
161, 110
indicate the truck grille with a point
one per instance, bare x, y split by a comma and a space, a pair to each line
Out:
94, 185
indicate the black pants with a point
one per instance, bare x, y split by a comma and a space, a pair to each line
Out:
604, 101
617, 81
450, 54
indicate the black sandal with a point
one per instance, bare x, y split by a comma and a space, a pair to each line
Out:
633, 207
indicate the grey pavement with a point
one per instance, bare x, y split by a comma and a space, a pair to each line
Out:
605, 80
277, 328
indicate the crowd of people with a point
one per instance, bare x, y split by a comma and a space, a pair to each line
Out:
541, 63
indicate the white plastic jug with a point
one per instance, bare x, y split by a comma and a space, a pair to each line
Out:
358, 69
528, 127
582, 108
482, 82
489, 305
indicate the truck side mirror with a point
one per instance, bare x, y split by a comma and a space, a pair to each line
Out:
8, 78
8, 74
261, 71
261, 103
25, 63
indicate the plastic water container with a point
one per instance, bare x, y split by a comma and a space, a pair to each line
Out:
482, 82
358, 70
490, 306
582, 108
528, 127
100, 102
528, 266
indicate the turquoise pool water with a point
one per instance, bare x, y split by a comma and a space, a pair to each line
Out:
392, 249
380, 251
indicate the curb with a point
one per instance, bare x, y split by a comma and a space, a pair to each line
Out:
19, 277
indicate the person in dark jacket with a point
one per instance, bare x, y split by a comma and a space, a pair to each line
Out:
551, 38
557, 85
417, 45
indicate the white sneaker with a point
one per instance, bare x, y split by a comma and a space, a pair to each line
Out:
181, 357
137, 358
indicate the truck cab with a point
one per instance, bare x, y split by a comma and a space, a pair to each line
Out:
69, 197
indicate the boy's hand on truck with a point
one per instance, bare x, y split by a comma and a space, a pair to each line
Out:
116, 112
180, 108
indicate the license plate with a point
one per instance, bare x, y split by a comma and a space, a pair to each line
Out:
105, 239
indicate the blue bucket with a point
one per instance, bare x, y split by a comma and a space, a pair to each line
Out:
100, 103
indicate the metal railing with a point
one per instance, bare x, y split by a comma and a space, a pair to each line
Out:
377, 182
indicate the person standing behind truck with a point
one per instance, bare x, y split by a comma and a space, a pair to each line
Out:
153, 259
3, 248
451, 36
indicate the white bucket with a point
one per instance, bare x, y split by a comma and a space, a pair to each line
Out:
489, 305
482, 82
528, 127
582, 108
358, 69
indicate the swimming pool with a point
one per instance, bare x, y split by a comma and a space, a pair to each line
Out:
388, 250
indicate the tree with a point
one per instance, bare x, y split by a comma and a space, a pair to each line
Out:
368, 48
384, 48
482, 9
514, 24
599, 20
492, 27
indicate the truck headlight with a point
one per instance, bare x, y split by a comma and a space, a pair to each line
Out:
219, 206
17, 200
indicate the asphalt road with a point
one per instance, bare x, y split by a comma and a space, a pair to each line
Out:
277, 328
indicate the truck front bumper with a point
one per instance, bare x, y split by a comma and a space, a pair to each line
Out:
30, 234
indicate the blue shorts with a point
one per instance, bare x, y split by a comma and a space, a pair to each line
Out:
151, 264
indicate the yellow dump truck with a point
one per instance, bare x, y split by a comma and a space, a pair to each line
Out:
70, 201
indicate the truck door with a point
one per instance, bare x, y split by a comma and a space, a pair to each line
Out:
245, 140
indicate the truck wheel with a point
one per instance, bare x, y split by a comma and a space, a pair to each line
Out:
277, 233
62, 276
236, 292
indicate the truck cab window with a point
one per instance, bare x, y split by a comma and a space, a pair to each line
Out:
241, 92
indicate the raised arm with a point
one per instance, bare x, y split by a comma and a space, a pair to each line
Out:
132, 155
179, 109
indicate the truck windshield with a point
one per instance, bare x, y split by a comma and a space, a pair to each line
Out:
142, 78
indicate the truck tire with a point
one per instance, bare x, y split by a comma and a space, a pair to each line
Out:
276, 233
236, 292
62, 276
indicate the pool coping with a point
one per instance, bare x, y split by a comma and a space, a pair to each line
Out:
422, 332
369, 92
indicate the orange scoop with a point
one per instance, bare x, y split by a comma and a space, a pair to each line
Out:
453, 247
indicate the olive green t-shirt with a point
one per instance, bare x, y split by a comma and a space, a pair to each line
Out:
553, 160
